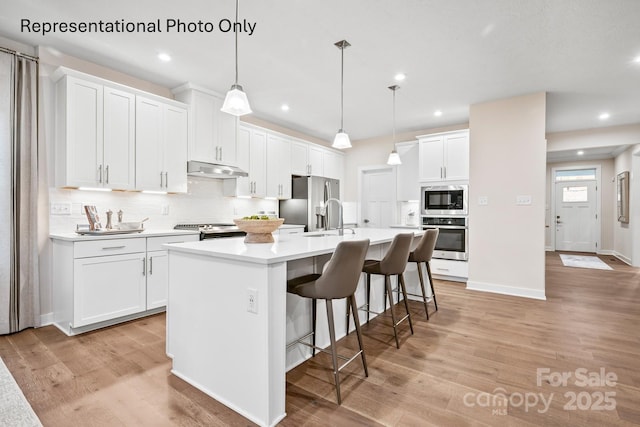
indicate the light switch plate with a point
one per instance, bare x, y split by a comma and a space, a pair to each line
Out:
483, 200
523, 200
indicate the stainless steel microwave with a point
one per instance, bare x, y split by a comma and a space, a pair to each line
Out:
444, 200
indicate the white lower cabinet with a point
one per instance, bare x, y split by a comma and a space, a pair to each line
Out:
457, 271
108, 287
98, 283
157, 279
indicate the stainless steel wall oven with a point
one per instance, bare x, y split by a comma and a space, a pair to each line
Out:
453, 239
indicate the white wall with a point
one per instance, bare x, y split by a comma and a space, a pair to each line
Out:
507, 158
589, 138
606, 193
622, 233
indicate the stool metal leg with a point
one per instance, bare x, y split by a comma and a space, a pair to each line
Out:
424, 292
433, 292
387, 282
406, 303
352, 301
314, 309
368, 295
334, 354
348, 310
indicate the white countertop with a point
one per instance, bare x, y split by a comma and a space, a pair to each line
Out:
75, 237
292, 226
412, 227
285, 248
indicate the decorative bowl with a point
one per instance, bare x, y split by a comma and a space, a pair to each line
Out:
259, 230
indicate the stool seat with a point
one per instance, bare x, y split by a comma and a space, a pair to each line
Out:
339, 279
371, 266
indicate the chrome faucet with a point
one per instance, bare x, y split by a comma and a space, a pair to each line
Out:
340, 213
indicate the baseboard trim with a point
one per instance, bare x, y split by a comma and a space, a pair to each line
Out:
506, 290
606, 252
622, 258
549, 248
46, 319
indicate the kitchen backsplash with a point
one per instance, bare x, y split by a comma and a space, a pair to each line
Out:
404, 209
204, 202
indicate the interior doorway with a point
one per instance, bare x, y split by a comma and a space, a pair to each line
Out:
576, 207
377, 189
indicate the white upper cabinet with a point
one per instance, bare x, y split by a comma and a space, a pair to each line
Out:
333, 165
444, 157
161, 146
408, 182
306, 159
212, 132
113, 136
95, 135
252, 157
310, 159
119, 139
278, 167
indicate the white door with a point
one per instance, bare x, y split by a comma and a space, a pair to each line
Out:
576, 219
378, 195
157, 279
149, 145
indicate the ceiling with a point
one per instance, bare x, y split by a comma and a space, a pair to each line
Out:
454, 54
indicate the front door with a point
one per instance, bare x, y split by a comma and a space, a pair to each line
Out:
576, 219
378, 194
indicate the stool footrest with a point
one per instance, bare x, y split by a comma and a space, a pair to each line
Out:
324, 350
406, 316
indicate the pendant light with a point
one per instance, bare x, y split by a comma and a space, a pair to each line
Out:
341, 139
394, 157
236, 102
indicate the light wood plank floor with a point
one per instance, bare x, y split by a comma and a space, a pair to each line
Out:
476, 346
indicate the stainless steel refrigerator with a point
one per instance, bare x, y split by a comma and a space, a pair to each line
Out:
307, 206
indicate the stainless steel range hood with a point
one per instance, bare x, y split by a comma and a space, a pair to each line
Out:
212, 170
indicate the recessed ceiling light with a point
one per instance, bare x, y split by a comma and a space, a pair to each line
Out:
637, 59
400, 77
164, 57
437, 113
284, 107
580, 153
604, 116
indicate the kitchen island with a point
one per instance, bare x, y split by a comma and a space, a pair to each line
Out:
229, 316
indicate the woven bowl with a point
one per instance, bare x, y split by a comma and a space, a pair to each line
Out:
259, 230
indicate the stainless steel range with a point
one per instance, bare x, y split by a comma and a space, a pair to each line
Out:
213, 230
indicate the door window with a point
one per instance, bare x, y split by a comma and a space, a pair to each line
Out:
575, 194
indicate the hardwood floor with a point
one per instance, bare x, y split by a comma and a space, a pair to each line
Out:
452, 371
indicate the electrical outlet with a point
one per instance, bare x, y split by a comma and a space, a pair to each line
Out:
523, 200
60, 208
483, 200
252, 300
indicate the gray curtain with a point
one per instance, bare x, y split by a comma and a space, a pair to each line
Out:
19, 285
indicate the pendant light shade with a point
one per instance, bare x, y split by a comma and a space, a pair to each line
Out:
394, 157
236, 101
341, 140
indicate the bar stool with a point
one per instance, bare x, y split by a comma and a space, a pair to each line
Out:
338, 280
393, 263
423, 253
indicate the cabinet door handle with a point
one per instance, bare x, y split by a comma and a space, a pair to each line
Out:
106, 173
221, 154
100, 174
441, 172
161, 182
445, 172
144, 266
150, 265
166, 179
